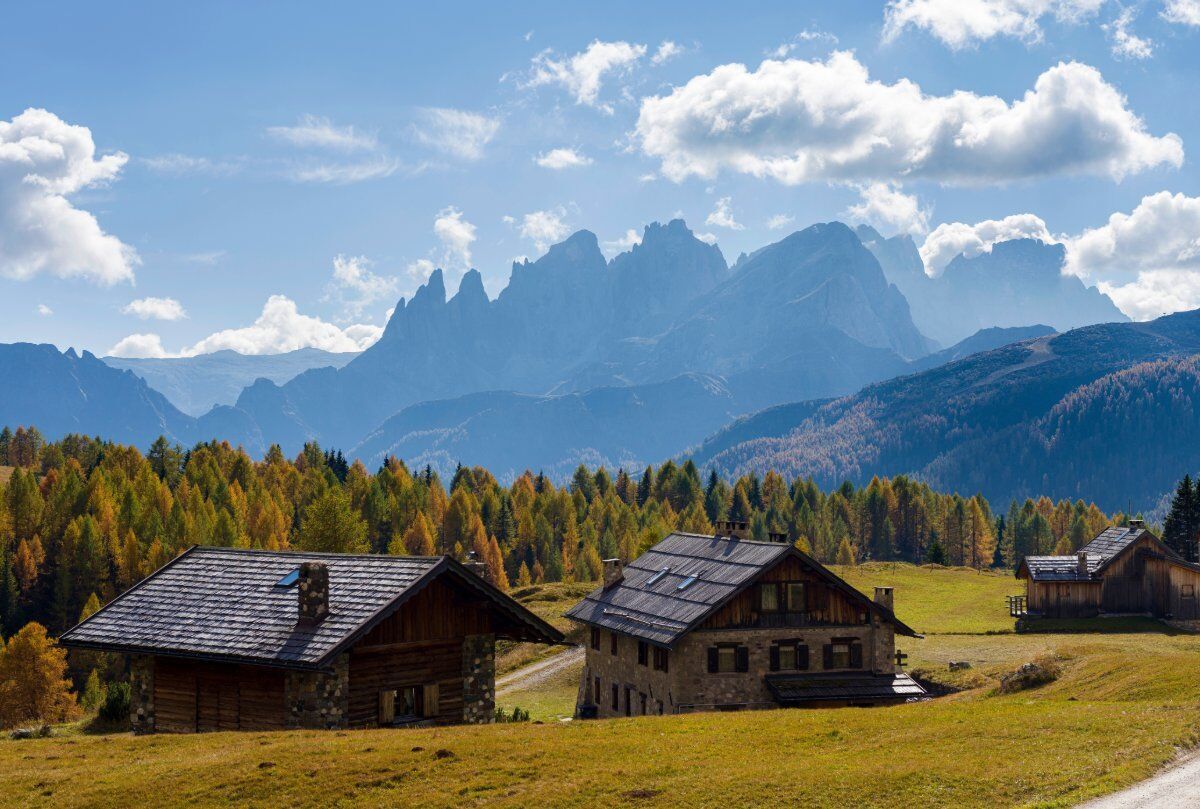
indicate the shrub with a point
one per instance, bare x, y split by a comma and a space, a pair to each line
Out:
1030, 675
115, 708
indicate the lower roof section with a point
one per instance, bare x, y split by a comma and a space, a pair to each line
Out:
853, 686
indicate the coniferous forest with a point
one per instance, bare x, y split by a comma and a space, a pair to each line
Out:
82, 520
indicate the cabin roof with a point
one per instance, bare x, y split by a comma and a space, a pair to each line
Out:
231, 605
798, 689
658, 607
1101, 551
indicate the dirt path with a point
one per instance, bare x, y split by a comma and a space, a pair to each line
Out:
1176, 787
537, 673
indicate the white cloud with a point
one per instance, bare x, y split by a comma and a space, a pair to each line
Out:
622, 244
419, 271
667, 51
544, 228
180, 165
583, 73
707, 238
806, 35
798, 121
886, 207
155, 308
43, 161
722, 215
343, 173
780, 220
951, 239
313, 132
1155, 293
357, 287
562, 159
1181, 12
280, 328
962, 23
44, 310
456, 235
1127, 45
140, 346
458, 133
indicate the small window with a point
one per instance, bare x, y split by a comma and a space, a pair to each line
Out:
728, 658
596, 639
596, 691
1187, 590
629, 700
612, 643
643, 653
400, 705
289, 579
843, 653
686, 583
657, 577
768, 597
660, 659
794, 593
789, 655
616, 697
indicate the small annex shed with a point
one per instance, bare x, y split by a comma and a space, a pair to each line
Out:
726, 623
226, 639
1123, 570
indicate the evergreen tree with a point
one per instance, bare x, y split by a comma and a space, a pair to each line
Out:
1181, 529
645, 487
935, 554
331, 526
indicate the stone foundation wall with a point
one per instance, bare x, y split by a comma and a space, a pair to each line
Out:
479, 679
624, 670
141, 694
317, 700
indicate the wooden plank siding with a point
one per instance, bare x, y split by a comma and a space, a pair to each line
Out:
192, 696
1064, 599
1124, 582
826, 605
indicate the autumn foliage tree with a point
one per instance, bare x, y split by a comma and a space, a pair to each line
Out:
33, 682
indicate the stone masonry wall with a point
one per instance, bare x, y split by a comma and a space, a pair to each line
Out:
141, 694
318, 700
624, 670
479, 679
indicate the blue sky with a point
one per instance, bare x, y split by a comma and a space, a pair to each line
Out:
267, 176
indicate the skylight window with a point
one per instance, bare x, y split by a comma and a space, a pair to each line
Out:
657, 577
289, 579
686, 583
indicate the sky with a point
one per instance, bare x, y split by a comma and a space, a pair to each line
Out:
182, 178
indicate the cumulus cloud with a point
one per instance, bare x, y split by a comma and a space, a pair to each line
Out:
798, 121
707, 238
155, 309
313, 132
562, 159
456, 235
722, 215
44, 310
962, 23
544, 228
582, 74
279, 329
458, 133
44, 161
1181, 12
1126, 44
780, 220
419, 271
356, 287
667, 51
888, 208
622, 244
952, 239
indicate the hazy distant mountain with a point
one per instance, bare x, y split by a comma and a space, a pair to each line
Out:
511, 432
812, 315
196, 384
982, 340
1017, 283
64, 392
1068, 415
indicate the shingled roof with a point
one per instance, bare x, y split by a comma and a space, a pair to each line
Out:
1100, 552
228, 604
648, 603
798, 689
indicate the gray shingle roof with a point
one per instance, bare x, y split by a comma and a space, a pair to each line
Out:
1111, 541
793, 689
224, 603
1105, 547
661, 613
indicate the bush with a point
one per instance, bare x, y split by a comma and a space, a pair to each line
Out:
1030, 675
115, 708
517, 715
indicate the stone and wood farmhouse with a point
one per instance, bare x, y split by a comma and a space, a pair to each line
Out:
1124, 570
725, 623
225, 639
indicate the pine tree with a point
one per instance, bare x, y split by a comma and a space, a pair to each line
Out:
1182, 525
10, 594
935, 554
523, 578
331, 526
645, 487
93, 693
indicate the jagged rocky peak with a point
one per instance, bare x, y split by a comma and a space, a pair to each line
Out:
432, 292
470, 288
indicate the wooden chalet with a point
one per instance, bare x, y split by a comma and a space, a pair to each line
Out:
1124, 570
225, 639
725, 623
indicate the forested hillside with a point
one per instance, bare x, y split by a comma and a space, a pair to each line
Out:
82, 520
1067, 415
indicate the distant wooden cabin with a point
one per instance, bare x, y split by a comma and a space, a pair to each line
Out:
725, 623
224, 639
1124, 570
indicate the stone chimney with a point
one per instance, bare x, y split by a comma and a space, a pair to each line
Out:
479, 568
883, 597
1137, 525
1081, 564
614, 572
313, 589
735, 529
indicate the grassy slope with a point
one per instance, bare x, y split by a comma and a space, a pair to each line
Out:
1125, 702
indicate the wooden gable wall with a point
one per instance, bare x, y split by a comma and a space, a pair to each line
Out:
826, 603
